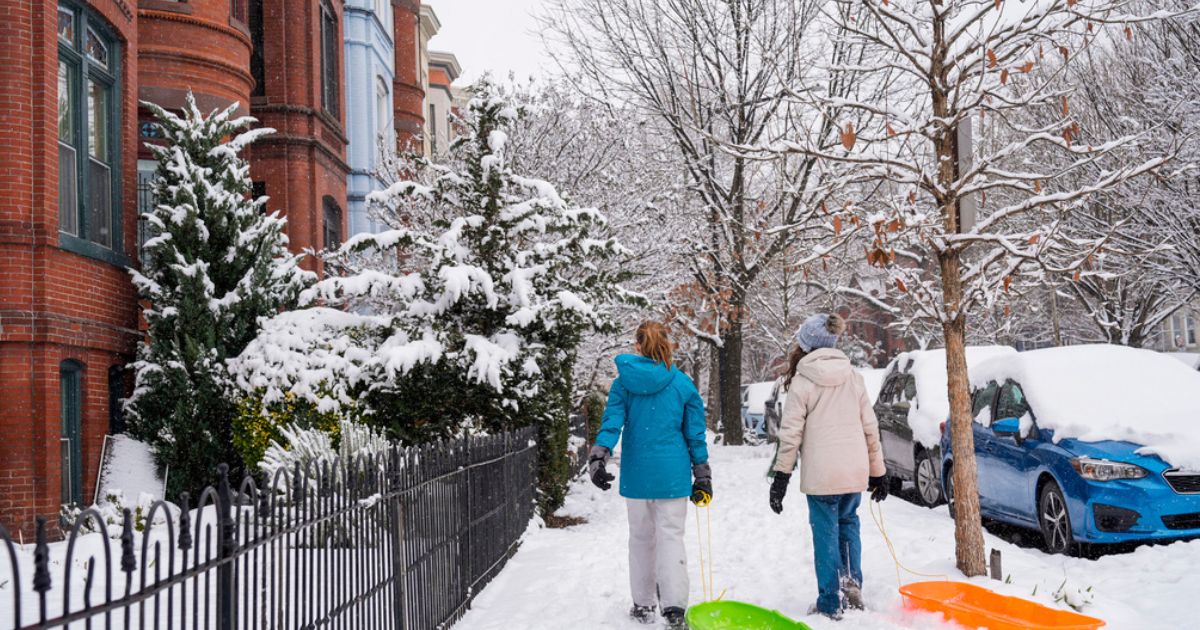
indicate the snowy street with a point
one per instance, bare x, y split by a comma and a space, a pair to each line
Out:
577, 577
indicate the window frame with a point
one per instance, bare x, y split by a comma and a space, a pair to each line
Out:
1008, 386
71, 393
86, 70
991, 402
330, 49
329, 206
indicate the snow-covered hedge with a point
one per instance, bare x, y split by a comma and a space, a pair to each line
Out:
467, 312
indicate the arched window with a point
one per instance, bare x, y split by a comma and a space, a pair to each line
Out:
333, 223
70, 384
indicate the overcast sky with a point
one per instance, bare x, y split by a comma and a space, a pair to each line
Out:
495, 35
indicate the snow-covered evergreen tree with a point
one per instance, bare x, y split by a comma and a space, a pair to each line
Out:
467, 313
215, 264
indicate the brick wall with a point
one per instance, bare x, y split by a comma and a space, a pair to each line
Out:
54, 304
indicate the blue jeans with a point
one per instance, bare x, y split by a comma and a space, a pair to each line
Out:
836, 546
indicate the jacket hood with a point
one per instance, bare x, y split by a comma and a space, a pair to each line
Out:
643, 376
827, 367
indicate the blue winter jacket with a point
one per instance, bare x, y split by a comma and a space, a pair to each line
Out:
661, 416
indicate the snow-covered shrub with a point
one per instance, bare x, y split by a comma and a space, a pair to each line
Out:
258, 425
112, 508
348, 443
346, 463
214, 264
467, 313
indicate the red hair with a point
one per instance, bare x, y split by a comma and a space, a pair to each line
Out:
654, 342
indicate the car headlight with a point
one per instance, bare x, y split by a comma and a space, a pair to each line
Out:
1104, 470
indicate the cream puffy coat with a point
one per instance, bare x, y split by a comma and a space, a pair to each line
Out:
828, 422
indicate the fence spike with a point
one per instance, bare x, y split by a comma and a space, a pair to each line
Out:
128, 560
185, 522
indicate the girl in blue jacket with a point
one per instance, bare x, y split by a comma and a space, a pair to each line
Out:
657, 413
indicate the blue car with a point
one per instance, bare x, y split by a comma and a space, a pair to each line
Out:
1044, 454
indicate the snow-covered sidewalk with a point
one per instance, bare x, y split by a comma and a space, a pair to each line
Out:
577, 578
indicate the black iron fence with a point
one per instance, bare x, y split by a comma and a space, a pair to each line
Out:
402, 541
578, 445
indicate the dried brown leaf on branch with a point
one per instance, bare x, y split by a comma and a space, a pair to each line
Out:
848, 136
1065, 108
1027, 67
991, 55
1034, 238
900, 286
837, 224
1004, 76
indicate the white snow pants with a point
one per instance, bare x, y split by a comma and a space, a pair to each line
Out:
657, 561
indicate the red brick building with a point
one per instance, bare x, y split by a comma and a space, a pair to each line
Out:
71, 181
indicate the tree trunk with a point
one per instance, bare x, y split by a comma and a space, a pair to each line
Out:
731, 384
713, 417
968, 531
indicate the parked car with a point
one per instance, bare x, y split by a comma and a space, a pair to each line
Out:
1190, 359
754, 402
911, 405
1087, 444
773, 414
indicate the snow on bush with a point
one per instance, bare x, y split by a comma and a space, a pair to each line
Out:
466, 309
1103, 392
353, 445
932, 405
215, 263
111, 510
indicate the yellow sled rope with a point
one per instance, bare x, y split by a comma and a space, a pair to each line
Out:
706, 576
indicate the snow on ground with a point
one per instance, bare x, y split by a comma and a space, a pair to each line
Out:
578, 577
129, 468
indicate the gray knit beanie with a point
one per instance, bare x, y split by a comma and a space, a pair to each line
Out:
819, 331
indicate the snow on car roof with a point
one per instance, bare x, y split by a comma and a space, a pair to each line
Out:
757, 395
873, 379
1190, 359
1104, 392
932, 406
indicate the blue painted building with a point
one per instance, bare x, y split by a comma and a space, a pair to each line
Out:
370, 76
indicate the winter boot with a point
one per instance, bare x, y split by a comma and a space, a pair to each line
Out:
852, 595
642, 614
835, 616
674, 618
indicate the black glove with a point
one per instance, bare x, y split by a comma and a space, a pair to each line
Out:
779, 490
597, 460
877, 486
702, 491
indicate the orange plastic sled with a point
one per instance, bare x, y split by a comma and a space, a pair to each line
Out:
976, 607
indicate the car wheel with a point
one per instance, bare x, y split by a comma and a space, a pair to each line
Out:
1054, 519
929, 486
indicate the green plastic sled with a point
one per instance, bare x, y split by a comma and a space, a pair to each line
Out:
727, 615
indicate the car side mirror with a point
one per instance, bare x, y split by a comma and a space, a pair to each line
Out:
1007, 427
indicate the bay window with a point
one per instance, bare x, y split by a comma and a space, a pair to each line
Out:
88, 151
